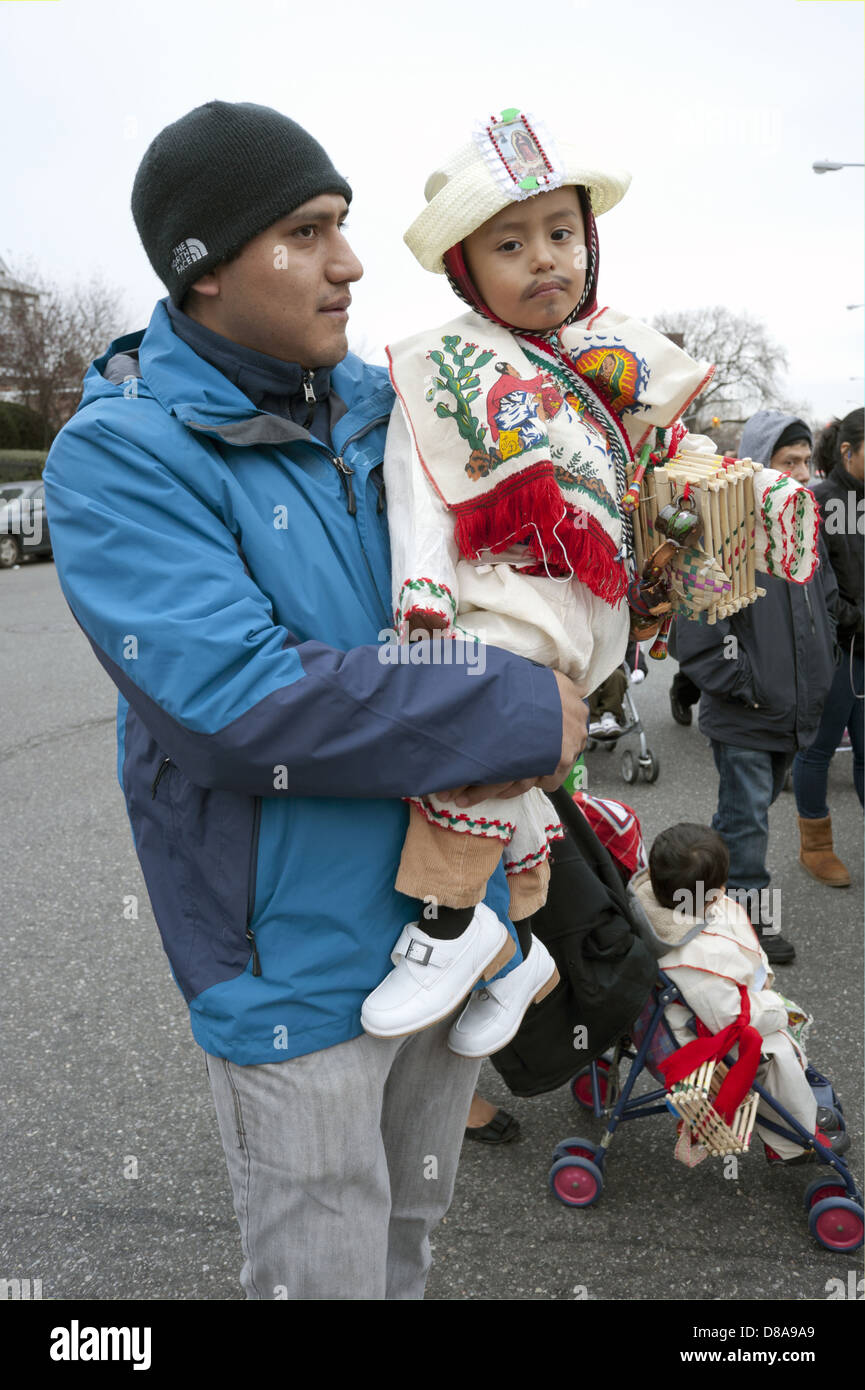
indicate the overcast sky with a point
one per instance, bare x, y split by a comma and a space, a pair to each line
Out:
718, 111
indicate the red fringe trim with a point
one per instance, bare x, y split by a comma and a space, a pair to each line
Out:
574, 541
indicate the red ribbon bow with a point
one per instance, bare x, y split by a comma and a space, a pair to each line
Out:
712, 1047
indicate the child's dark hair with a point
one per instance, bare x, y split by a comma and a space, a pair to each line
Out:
684, 856
827, 450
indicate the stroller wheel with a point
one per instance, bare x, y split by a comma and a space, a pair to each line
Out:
609, 745
575, 1148
821, 1188
581, 1086
836, 1223
650, 767
576, 1182
630, 771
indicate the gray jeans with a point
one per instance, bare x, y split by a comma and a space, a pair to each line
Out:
342, 1162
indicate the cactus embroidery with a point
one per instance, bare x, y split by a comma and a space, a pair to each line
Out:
460, 380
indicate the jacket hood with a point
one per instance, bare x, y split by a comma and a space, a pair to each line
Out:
660, 927
762, 433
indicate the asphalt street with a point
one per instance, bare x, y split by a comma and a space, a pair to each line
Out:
114, 1185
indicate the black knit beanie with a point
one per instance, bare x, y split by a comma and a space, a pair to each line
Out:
796, 433
213, 180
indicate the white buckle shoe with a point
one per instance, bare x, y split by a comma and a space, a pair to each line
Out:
492, 1017
431, 977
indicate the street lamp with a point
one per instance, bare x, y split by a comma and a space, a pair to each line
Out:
827, 166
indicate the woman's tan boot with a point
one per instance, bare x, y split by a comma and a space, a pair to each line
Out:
817, 854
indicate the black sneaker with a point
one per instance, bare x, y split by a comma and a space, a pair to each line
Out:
778, 951
681, 713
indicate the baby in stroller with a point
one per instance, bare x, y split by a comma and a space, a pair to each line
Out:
706, 944
713, 981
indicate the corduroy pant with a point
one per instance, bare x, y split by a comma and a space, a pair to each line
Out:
342, 1162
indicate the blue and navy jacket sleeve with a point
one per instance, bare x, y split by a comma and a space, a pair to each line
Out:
152, 569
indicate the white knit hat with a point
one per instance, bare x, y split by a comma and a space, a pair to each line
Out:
509, 158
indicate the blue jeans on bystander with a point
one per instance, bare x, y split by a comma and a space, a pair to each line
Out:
750, 780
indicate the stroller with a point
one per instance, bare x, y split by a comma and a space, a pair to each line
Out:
644, 764
833, 1202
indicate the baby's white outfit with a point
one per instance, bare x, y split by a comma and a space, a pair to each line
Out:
709, 958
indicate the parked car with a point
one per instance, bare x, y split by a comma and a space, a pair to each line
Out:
23, 523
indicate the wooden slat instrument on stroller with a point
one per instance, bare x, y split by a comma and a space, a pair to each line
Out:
705, 526
693, 1098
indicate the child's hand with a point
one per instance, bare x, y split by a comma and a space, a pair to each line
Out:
423, 625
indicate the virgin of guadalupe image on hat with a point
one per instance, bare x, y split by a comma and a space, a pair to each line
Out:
525, 161
520, 152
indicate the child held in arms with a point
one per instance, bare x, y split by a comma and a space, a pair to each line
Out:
505, 469
708, 947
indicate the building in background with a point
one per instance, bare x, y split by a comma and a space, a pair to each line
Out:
12, 293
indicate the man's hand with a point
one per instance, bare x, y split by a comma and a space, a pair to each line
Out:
575, 719
575, 732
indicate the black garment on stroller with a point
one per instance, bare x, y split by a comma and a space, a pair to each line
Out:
606, 970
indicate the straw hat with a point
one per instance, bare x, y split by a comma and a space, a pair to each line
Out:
508, 159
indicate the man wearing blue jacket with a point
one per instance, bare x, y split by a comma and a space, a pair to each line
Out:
217, 517
764, 675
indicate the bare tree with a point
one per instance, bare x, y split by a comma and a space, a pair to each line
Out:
749, 368
47, 343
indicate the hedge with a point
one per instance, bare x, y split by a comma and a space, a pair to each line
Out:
19, 464
20, 427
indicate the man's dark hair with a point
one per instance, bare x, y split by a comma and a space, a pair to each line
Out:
684, 856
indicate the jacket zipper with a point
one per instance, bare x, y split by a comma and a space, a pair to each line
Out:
795, 666
346, 473
250, 898
163, 767
310, 398
810, 609
379, 487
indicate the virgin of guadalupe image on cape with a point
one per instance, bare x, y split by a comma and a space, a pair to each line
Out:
615, 372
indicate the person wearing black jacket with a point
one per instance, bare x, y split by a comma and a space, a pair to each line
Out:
764, 675
839, 456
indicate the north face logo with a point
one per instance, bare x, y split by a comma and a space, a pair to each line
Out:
186, 253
